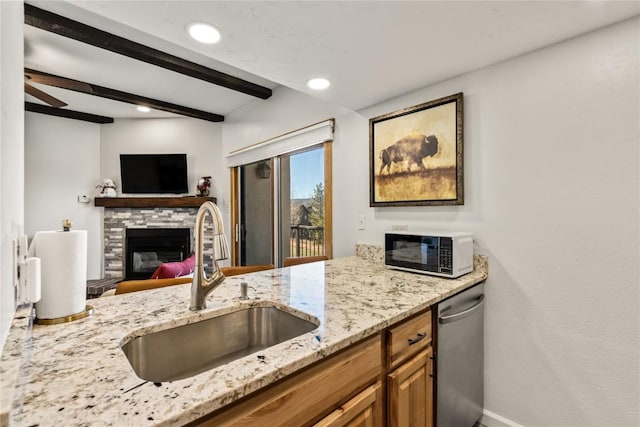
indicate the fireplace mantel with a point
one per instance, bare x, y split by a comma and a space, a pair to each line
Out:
152, 202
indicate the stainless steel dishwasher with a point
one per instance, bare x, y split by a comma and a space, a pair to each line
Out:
460, 359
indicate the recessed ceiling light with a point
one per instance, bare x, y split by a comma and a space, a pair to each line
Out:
204, 33
143, 109
318, 83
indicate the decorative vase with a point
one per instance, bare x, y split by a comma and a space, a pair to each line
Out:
203, 186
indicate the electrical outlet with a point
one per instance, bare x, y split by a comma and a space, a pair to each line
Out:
399, 227
83, 199
362, 222
16, 272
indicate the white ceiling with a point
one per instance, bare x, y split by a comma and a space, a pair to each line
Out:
370, 50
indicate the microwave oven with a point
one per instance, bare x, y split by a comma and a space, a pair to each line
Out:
445, 254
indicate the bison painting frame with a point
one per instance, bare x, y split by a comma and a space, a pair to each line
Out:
415, 155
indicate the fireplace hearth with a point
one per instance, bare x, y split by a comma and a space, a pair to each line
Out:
147, 248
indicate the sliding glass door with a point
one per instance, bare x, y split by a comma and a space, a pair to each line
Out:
256, 214
302, 203
282, 207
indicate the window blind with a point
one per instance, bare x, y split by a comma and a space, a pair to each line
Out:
286, 143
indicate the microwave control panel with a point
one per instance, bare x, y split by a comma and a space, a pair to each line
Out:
446, 255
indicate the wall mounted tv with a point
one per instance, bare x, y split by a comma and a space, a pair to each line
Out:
154, 173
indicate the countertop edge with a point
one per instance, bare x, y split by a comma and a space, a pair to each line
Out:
12, 360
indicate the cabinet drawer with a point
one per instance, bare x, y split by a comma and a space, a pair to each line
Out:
408, 338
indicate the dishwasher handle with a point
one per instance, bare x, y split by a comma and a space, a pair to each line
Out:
462, 314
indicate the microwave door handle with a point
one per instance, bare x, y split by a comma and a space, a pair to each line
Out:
462, 314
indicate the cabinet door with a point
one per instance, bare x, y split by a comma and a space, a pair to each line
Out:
410, 392
364, 410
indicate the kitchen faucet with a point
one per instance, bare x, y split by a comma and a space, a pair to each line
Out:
201, 286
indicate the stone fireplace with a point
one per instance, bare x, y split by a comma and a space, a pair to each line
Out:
117, 220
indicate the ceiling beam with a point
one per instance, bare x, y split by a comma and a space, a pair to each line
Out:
66, 27
117, 95
69, 114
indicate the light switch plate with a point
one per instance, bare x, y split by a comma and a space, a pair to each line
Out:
362, 222
83, 199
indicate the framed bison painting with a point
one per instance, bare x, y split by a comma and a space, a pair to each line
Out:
416, 155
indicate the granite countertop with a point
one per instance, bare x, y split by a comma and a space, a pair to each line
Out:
76, 373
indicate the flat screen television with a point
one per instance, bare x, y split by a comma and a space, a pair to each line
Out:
154, 173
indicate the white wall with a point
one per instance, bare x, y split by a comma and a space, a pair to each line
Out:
551, 179
551, 145
199, 139
62, 161
551, 158
11, 151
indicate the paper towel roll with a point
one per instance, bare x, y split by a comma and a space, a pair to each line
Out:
63, 257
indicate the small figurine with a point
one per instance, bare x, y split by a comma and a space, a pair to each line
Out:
107, 188
66, 224
203, 186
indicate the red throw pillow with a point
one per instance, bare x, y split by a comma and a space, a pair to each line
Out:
168, 270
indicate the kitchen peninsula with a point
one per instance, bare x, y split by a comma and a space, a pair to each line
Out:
77, 374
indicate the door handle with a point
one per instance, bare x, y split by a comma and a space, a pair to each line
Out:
462, 314
434, 366
418, 338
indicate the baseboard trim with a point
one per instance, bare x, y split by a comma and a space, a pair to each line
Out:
491, 419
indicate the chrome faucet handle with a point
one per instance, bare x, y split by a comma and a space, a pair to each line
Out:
202, 285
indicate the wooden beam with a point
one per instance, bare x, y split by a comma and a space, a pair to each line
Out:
69, 114
66, 27
116, 95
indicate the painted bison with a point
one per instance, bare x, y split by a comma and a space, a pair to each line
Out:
412, 148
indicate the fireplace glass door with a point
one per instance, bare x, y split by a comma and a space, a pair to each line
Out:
147, 248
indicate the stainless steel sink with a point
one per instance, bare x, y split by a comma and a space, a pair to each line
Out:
187, 350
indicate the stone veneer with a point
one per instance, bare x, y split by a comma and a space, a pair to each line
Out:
117, 220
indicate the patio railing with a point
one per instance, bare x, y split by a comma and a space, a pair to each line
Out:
307, 240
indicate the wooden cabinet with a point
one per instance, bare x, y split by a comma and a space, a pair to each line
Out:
364, 410
410, 392
409, 383
305, 398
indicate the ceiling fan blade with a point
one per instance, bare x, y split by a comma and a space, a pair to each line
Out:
44, 97
61, 82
